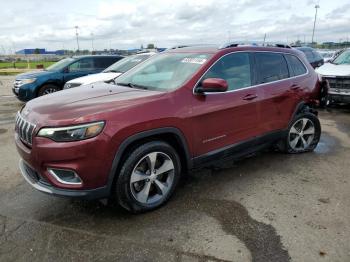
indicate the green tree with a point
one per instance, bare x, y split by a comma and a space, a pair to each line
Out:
37, 51
150, 46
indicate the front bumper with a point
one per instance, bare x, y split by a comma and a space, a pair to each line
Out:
39, 183
24, 92
335, 96
90, 159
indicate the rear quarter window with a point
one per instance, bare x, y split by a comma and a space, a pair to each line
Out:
295, 65
271, 67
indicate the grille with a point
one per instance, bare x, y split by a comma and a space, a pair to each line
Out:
339, 83
33, 175
17, 83
24, 129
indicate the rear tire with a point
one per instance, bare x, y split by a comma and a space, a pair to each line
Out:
148, 177
48, 89
303, 134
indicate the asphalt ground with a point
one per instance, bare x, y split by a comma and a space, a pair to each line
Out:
268, 207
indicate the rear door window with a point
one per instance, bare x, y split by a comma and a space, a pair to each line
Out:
85, 64
271, 67
104, 62
234, 68
296, 66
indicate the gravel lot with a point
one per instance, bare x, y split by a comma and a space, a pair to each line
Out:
270, 207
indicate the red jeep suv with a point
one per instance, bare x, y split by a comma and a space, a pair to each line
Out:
179, 110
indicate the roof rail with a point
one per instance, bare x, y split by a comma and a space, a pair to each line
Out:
265, 44
191, 45
179, 46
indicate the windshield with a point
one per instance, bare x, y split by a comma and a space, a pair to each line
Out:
60, 64
164, 72
126, 63
326, 54
343, 58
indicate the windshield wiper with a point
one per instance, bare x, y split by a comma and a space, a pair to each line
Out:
110, 81
133, 85
113, 71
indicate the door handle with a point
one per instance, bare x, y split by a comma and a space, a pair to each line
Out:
295, 87
250, 97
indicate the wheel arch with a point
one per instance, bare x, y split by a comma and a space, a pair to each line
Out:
49, 82
302, 107
171, 135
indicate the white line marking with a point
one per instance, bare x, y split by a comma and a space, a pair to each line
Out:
7, 96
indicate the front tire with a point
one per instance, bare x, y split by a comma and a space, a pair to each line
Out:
303, 134
148, 177
48, 89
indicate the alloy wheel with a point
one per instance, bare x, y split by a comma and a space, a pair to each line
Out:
301, 134
49, 91
152, 178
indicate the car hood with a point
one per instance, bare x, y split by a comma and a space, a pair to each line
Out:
33, 74
84, 104
330, 69
94, 78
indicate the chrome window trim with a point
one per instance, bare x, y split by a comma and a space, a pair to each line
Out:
253, 86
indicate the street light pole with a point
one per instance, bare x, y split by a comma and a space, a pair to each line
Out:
77, 35
313, 31
92, 41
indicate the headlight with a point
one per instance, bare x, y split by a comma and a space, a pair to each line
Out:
67, 86
72, 133
22, 82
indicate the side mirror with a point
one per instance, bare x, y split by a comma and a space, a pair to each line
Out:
66, 70
212, 85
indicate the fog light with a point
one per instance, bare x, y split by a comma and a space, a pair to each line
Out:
65, 176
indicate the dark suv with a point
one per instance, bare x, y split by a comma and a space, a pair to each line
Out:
179, 110
33, 84
314, 58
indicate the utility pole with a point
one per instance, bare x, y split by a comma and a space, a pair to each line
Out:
77, 35
92, 41
313, 31
264, 39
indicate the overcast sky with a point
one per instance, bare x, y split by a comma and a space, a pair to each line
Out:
128, 24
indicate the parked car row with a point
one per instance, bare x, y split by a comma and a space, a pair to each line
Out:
110, 73
82, 70
131, 139
34, 84
337, 73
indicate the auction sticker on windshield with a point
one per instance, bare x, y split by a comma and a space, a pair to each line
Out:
194, 60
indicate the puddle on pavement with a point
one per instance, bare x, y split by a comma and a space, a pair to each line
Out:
326, 144
261, 239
